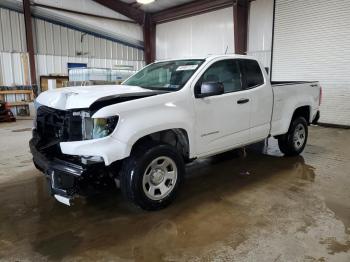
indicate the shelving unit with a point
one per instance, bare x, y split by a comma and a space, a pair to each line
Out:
25, 103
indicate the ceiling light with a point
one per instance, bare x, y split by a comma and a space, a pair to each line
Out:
145, 2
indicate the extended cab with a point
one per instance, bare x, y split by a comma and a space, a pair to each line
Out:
140, 134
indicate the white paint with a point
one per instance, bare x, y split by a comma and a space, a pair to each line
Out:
83, 96
230, 125
200, 35
63, 200
187, 68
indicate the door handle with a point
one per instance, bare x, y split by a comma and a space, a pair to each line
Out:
243, 101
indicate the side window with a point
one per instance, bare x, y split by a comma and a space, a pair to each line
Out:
252, 72
226, 72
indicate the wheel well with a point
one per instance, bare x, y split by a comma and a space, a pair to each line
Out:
303, 111
176, 137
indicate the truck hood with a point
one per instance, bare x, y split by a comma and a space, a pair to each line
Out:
83, 97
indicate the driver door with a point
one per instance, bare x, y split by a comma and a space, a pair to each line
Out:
222, 121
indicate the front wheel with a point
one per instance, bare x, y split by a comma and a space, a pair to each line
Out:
152, 175
294, 142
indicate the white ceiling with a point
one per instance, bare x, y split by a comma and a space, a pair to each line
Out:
157, 5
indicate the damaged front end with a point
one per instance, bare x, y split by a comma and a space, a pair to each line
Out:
69, 175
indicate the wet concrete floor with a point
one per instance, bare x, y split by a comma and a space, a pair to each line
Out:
253, 206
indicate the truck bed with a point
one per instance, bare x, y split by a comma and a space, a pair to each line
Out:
289, 95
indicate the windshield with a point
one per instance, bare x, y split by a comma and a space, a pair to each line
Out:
167, 76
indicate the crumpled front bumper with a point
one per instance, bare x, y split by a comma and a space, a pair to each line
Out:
66, 179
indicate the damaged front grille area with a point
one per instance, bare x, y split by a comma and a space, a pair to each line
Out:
69, 175
54, 126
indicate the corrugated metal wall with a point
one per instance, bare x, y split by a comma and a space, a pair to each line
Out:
55, 46
200, 35
12, 34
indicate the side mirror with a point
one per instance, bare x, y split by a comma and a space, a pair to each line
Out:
210, 89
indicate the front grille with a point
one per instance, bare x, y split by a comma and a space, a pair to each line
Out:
54, 126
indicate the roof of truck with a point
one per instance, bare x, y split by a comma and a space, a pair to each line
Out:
209, 57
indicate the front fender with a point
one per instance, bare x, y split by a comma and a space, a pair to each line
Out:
108, 148
132, 127
142, 117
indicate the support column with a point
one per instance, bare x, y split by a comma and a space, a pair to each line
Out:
29, 40
240, 17
149, 36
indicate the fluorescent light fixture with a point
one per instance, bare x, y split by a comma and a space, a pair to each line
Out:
145, 2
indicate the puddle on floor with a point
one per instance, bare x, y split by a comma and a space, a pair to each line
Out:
341, 211
214, 205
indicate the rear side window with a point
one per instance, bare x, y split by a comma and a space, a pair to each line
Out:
252, 72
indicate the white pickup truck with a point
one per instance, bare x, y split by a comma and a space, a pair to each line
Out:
139, 135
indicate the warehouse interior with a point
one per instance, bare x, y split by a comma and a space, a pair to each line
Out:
247, 204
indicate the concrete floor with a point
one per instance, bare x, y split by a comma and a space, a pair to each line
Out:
258, 207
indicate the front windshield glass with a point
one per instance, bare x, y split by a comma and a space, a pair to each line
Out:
167, 76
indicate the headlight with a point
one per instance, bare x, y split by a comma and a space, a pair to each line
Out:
94, 128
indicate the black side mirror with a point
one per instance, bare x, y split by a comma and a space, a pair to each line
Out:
210, 89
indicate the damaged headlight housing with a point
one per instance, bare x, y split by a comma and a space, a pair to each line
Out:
93, 128
103, 127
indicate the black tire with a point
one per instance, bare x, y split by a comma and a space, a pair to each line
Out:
286, 142
134, 168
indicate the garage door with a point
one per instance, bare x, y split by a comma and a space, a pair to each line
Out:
312, 42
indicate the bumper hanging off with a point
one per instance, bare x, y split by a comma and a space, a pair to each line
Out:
67, 179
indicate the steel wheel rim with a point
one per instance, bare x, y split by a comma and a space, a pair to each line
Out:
159, 178
299, 136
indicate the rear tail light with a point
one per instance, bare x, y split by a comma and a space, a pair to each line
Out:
320, 98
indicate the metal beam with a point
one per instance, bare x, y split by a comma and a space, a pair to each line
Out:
149, 37
29, 40
124, 9
240, 18
82, 13
189, 9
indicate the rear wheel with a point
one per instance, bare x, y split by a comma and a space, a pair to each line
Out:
152, 175
293, 143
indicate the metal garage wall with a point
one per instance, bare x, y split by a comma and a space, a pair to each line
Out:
209, 33
49, 64
12, 32
260, 30
12, 69
312, 41
55, 46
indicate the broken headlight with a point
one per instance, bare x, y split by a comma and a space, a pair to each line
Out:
94, 128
